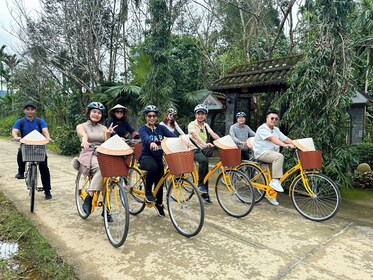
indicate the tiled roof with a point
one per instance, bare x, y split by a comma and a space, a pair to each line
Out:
260, 76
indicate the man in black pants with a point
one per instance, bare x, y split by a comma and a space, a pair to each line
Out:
199, 131
24, 126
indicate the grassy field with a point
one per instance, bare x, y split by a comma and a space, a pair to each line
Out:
35, 258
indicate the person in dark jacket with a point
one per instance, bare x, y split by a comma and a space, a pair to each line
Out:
118, 117
151, 135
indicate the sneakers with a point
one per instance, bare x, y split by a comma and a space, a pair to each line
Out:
206, 198
87, 205
202, 188
272, 200
48, 195
276, 185
150, 198
19, 176
160, 210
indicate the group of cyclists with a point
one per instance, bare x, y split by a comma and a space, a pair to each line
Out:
267, 141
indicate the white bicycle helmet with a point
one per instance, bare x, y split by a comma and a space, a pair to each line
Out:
241, 114
172, 111
96, 105
151, 108
201, 108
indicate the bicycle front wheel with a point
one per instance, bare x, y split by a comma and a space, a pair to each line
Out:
234, 193
256, 177
32, 185
324, 202
186, 211
135, 185
188, 190
81, 184
116, 213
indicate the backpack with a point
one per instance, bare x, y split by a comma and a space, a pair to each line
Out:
22, 123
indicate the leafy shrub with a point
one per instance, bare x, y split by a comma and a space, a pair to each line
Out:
340, 166
6, 125
66, 140
364, 153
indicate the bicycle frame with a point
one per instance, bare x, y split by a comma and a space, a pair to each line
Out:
226, 178
96, 195
296, 168
165, 176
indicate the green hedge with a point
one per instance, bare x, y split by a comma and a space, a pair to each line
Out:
6, 125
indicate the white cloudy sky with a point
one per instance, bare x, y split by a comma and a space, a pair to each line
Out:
6, 22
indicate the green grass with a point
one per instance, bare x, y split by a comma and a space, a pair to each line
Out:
357, 194
36, 258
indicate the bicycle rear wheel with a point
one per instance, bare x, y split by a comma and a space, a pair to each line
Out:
32, 185
234, 193
256, 178
116, 213
134, 185
186, 211
81, 184
325, 201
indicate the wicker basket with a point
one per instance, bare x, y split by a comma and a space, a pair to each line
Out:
180, 163
310, 159
33, 152
230, 157
112, 166
137, 150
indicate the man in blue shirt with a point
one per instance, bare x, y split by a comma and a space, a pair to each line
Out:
24, 126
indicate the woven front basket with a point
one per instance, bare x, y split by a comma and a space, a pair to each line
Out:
33, 152
112, 166
137, 150
180, 163
310, 159
230, 157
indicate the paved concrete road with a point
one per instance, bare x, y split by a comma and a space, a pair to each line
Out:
271, 243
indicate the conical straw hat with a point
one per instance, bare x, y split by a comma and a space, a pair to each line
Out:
118, 106
115, 146
305, 144
173, 145
225, 143
34, 138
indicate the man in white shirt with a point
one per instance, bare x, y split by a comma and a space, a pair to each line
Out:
267, 142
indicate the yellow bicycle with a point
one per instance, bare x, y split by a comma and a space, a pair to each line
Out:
314, 195
233, 189
186, 212
114, 201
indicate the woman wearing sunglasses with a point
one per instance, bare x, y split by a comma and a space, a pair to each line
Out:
170, 122
267, 142
118, 117
151, 155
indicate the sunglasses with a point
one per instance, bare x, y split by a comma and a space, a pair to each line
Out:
274, 119
152, 116
119, 111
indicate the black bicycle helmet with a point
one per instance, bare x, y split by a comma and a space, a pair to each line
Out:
96, 105
151, 108
201, 108
172, 111
241, 114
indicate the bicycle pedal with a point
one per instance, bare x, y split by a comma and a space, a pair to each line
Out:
149, 205
99, 204
40, 189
